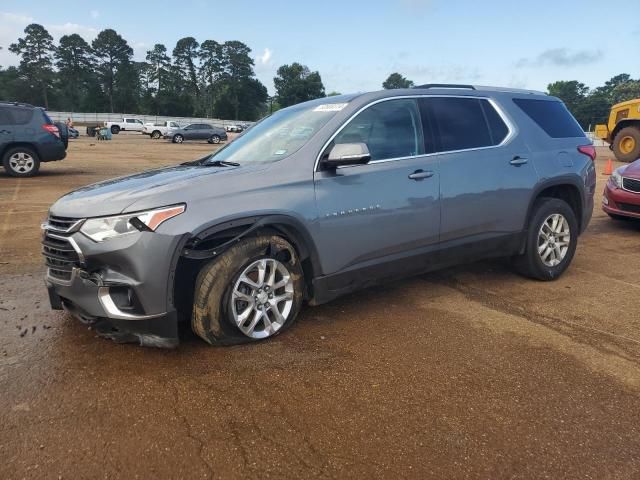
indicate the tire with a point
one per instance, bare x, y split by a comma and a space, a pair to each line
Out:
21, 162
531, 263
155, 134
626, 144
216, 298
215, 139
177, 139
115, 129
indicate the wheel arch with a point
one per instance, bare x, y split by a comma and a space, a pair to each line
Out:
203, 244
11, 145
632, 122
568, 189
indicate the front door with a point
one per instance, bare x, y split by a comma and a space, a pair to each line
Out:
382, 213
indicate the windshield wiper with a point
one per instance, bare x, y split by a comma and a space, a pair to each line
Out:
221, 163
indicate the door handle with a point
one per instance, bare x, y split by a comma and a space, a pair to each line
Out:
518, 160
421, 174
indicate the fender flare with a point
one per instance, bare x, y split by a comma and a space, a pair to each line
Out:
289, 226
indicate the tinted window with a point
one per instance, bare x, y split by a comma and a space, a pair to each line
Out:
552, 116
5, 118
460, 123
497, 128
206, 126
21, 116
391, 129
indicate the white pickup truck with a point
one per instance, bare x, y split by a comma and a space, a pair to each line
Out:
127, 124
160, 129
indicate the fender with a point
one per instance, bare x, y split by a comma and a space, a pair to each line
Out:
572, 180
293, 228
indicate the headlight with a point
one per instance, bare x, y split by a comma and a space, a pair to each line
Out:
616, 177
100, 229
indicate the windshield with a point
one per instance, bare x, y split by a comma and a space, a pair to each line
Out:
279, 135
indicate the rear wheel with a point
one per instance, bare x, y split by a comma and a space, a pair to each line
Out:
252, 292
215, 139
178, 138
552, 237
626, 145
155, 134
21, 162
115, 129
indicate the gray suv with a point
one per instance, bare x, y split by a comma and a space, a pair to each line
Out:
318, 200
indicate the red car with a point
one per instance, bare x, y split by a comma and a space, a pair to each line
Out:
622, 194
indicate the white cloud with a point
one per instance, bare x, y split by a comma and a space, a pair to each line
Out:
265, 58
57, 31
561, 57
94, 14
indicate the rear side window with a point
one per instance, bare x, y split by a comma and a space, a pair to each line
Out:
21, 116
464, 123
552, 116
5, 118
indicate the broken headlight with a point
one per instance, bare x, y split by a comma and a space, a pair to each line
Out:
100, 229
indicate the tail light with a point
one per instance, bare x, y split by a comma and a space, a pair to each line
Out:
52, 129
588, 150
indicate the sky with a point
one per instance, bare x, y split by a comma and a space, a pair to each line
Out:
356, 44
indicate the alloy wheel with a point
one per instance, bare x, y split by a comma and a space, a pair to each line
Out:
21, 162
262, 298
554, 238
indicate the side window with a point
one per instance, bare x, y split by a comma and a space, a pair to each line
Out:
497, 128
390, 129
5, 117
21, 116
460, 123
552, 116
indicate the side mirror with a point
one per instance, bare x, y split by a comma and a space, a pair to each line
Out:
347, 154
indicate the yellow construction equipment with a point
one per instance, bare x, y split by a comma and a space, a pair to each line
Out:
623, 130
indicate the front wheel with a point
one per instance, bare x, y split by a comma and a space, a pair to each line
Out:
551, 241
21, 162
626, 144
178, 139
251, 292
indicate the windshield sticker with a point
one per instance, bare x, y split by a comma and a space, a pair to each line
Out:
330, 107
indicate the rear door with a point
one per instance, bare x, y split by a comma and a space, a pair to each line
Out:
6, 127
486, 176
205, 132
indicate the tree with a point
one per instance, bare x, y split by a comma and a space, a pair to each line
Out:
211, 68
295, 83
75, 69
185, 56
36, 49
333, 94
238, 92
159, 66
395, 80
113, 54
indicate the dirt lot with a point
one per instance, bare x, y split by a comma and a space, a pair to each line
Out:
468, 373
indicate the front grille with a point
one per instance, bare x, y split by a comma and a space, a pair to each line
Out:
63, 224
628, 207
59, 254
631, 184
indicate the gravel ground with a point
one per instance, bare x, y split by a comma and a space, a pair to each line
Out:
473, 372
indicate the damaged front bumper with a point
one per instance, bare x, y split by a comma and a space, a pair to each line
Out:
122, 286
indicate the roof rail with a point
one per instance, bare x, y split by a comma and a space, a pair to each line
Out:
445, 85
15, 104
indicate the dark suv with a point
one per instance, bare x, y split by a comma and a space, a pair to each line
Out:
29, 137
320, 199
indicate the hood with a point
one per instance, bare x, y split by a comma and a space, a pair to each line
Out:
632, 170
151, 189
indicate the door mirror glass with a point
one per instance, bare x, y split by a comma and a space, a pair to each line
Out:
347, 154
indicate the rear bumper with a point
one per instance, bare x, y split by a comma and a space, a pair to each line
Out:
621, 202
51, 152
